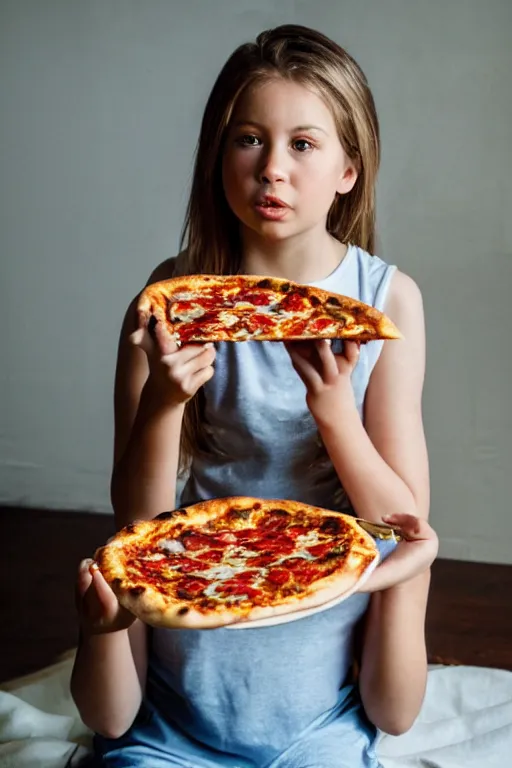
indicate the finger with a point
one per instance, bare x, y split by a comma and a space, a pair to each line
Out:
188, 353
305, 368
198, 379
84, 577
412, 527
351, 351
306, 349
152, 336
104, 593
164, 340
327, 359
196, 363
141, 338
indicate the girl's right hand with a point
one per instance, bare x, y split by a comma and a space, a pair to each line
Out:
98, 608
175, 373
413, 555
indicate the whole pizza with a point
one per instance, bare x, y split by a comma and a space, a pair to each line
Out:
203, 308
237, 559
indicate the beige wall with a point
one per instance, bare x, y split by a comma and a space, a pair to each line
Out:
100, 104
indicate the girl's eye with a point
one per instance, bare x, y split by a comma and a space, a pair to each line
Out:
248, 140
302, 145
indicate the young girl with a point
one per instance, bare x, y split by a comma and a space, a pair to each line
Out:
283, 185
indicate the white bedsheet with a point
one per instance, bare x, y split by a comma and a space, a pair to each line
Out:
465, 722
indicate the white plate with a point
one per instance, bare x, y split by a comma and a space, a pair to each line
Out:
285, 618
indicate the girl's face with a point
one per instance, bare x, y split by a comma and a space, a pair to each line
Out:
283, 162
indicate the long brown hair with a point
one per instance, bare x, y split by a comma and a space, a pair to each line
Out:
211, 230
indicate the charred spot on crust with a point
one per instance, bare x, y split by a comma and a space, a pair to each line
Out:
241, 514
172, 513
183, 611
137, 591
184, 595
333, 301
331, 526
164, 515
315, 301
280, 512
130, 528
285, 287
266, 283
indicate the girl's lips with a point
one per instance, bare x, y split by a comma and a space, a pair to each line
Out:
271, 212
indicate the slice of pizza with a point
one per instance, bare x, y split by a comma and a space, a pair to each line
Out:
237, 559
202, 308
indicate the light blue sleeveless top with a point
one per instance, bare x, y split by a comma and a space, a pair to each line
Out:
254, 693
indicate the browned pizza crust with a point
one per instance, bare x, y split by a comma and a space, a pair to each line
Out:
157, 605
349, 318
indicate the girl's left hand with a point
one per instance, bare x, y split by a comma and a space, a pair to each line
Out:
326, 375
412, 556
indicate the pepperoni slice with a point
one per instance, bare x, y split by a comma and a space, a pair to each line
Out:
247, 535
297, 329
211, 556
195, 541
319, 550
303, 571
294, 302
280, 544
189, 587
258, 299
261, 561
246, 576
296, 530
258, 321
235, 588
319, 325
278, 576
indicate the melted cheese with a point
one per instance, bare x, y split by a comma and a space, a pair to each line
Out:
171, 545
308, 539
188, 316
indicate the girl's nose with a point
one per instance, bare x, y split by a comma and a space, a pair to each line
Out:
273, 167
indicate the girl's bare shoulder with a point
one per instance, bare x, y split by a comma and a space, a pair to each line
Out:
169, 268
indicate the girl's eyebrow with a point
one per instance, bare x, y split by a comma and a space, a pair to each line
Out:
297, 129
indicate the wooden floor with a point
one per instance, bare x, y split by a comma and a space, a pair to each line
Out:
469, 618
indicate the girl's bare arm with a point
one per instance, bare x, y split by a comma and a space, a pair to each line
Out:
109, 673
153, 382
107, 683
147, 436
394, 659
382, 464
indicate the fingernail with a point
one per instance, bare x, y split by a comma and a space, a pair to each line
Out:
94, 566
208, 345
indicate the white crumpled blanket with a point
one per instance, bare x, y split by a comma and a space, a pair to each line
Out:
465, 722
